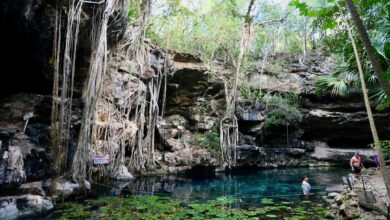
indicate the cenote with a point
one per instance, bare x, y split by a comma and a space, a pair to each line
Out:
258, 194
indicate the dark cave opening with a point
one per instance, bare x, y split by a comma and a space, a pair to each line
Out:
350, 142
25, 48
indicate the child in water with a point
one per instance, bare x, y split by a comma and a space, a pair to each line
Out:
305, 186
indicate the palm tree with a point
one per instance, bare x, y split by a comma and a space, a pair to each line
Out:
368, 46
374, 132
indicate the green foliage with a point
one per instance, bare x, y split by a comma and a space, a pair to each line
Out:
202, 106
376, 18
133, 9
209, 140
213, 28
385, 104
385, 145
267, 201
251, 93
160, 207
340, 82
208, 27
282, 110
336, 85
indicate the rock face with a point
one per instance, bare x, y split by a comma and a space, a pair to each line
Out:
187, 128
29, 149
334, 126
29, 28
250, 155
249, 111
340, 156
352, 204
186, 84
25, 206
342, 127
12, 167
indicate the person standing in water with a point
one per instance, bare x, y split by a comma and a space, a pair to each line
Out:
305, 186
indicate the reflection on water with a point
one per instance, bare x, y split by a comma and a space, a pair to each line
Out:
281, 183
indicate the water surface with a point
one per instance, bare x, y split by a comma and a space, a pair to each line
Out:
248, 194
278, 183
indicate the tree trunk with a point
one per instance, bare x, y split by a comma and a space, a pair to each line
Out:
304, 46
374, 132
228, 124
371, 53
243, 43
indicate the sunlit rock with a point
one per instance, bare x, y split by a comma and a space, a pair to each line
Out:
123, 174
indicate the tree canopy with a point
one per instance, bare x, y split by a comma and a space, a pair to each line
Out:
212, 29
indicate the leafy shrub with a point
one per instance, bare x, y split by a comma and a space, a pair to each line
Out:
210, 140
250, 93
282, 110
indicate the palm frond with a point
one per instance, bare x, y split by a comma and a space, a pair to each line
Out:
330, 83
377, 93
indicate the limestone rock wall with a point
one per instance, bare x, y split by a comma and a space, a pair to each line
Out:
187, 128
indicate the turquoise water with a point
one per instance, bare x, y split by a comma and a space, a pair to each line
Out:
278, 184
249, 194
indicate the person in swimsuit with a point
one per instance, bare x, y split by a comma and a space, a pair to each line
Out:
376, 159
305, 186
356, 164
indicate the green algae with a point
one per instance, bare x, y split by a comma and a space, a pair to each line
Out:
155, 207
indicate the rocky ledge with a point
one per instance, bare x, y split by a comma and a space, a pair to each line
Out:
364, 201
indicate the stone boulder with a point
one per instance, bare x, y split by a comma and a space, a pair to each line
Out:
67, 190
123, 88
203, 122
348, 205
252, 155
39, 133
249, 111
187, 158
36, 157
24, 206
12, 167
123, 174
33, 188
170, 130
171, 126
175, 144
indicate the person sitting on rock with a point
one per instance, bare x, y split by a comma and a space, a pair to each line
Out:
356, 164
